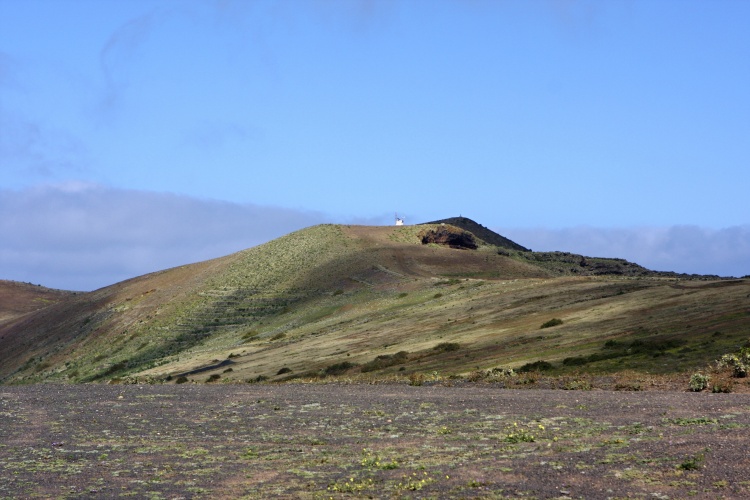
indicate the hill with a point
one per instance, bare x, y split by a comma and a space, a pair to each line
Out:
377, 301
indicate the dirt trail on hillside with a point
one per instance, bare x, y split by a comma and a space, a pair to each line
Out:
377, 441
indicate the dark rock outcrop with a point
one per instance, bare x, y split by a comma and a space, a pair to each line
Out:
488, 236
449, 236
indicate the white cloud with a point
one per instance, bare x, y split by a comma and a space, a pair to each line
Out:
81, 236
683, 249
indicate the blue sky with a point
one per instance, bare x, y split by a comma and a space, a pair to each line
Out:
141, 134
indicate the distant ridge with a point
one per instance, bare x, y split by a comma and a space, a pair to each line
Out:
481, 232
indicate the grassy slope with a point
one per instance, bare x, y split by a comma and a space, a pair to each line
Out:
333, 294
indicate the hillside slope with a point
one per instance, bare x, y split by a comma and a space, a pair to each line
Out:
18, 299
336, 298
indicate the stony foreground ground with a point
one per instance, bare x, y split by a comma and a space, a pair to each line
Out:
379, 441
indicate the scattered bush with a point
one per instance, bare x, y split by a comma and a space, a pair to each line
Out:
385, 360
213, 378
416, 379
278, 336
493, 374
577, 385
284, 370
693, 463
551, 323
698, 382
339, 368
447, 347
181, 380
536, 366
739, 363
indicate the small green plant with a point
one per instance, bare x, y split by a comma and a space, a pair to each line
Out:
351, 486
371, 460
551, 323
284, 370
414, 482
181, 380
694, 462
577, 385
213, 378
519, 436
698, 382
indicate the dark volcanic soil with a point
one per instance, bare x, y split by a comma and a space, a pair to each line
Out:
379, 441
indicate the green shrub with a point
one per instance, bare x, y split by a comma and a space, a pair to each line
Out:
385, 360
536, 366
284, 370
551, 323
213, 378
739, 363
339, 368
181, 380
698, 382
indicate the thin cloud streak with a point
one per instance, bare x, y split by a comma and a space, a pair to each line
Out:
680, 248
81, 236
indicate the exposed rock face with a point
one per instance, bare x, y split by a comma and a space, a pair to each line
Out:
481, 232
449, 236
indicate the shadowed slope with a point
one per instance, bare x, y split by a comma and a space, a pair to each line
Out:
17, 299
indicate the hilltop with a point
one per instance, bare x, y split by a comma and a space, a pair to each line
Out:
376, 302
487, 235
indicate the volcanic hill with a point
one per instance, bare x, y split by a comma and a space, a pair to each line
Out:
374, 302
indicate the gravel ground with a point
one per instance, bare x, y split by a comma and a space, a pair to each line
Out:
378, 441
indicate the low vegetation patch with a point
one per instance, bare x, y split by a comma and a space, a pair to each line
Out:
551, 323
385, 361
536, 366
338, 368
447, 347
